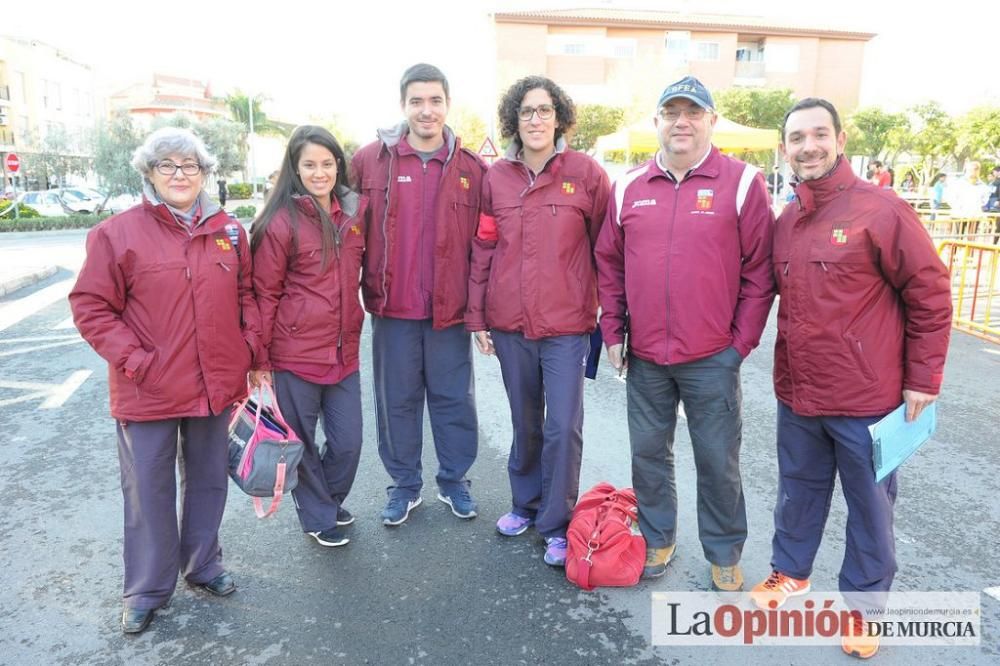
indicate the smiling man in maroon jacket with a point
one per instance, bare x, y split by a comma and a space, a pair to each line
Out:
864, 321
684, 265
423, 189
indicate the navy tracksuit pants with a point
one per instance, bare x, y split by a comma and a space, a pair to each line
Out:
324, 480
410, 362
156, 547
811, 452
544, 384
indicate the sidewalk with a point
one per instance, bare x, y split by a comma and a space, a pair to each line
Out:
13, 278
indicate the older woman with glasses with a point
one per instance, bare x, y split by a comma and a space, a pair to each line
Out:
533, 286
165, 297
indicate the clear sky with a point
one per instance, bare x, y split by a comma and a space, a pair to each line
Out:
316, 58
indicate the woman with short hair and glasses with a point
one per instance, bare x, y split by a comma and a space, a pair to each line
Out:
308, 244
165, 297
533, 300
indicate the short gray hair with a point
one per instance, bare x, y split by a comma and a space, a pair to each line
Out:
167, 141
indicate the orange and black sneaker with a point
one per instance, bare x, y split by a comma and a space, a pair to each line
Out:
774, 591
857, 641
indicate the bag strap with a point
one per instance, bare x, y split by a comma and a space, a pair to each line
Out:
279, 491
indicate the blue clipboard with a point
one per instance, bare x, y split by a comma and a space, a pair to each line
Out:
894, 440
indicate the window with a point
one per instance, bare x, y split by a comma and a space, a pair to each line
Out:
708, 51
574, 48
678, 45
21, 85
623, 49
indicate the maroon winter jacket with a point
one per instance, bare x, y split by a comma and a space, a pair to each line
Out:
375, 170
865, 303
687, 264
308, 310
533, 259
162, 305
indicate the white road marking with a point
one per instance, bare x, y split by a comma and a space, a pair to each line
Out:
15, 311
992, 351
65, 323
993, 592
28, 350
40, 338
55, 395
24, 398
62, 393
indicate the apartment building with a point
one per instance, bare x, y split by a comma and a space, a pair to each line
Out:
620, 57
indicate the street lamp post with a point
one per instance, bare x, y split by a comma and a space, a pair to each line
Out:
253, 167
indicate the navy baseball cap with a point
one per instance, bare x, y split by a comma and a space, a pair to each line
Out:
688, 88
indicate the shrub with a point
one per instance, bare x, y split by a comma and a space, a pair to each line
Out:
240, 190
39, 223
24, 212
244, 212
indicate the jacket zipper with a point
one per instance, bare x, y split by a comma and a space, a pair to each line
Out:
385, 235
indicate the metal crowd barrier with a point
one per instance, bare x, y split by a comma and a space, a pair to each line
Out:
974, 269
984, 228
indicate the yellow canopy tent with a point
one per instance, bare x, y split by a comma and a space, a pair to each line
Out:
728, 136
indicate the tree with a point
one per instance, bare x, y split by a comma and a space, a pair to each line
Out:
979, 132
593, 121
55, 159
468, 125
115, 140
934, 136
225, 139
755, 107
875, 131
239, 105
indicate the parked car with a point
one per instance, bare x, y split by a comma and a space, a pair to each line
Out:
80, 200
46, 202
122, 202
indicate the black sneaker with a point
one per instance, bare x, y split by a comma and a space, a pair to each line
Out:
344, 517
331, 537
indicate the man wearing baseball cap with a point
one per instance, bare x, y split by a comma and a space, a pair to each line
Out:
684, 267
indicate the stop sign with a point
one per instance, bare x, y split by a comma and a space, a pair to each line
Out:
13, 162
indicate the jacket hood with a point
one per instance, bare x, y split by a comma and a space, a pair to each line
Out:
347, 200
391, 136
206, 204
513, 151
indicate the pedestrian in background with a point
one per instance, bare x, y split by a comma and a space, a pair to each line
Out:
223, 191
684, 266
165, 297
533, 300
308, 243
424, 192
864, 318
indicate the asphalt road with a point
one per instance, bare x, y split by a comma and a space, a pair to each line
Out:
436, 590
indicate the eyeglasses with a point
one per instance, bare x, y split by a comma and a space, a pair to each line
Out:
691, 113
544, 111
169, 168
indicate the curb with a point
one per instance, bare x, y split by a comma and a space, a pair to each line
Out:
25, 277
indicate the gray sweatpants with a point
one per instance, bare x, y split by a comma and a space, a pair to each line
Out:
156, 548
710, 391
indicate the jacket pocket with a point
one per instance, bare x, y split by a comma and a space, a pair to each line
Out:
858, 351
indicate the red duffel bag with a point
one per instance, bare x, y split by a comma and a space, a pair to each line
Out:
604, 545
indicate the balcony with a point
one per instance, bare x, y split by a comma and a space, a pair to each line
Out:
750, 69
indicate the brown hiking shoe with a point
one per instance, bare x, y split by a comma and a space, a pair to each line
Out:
727, 579
657, 560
